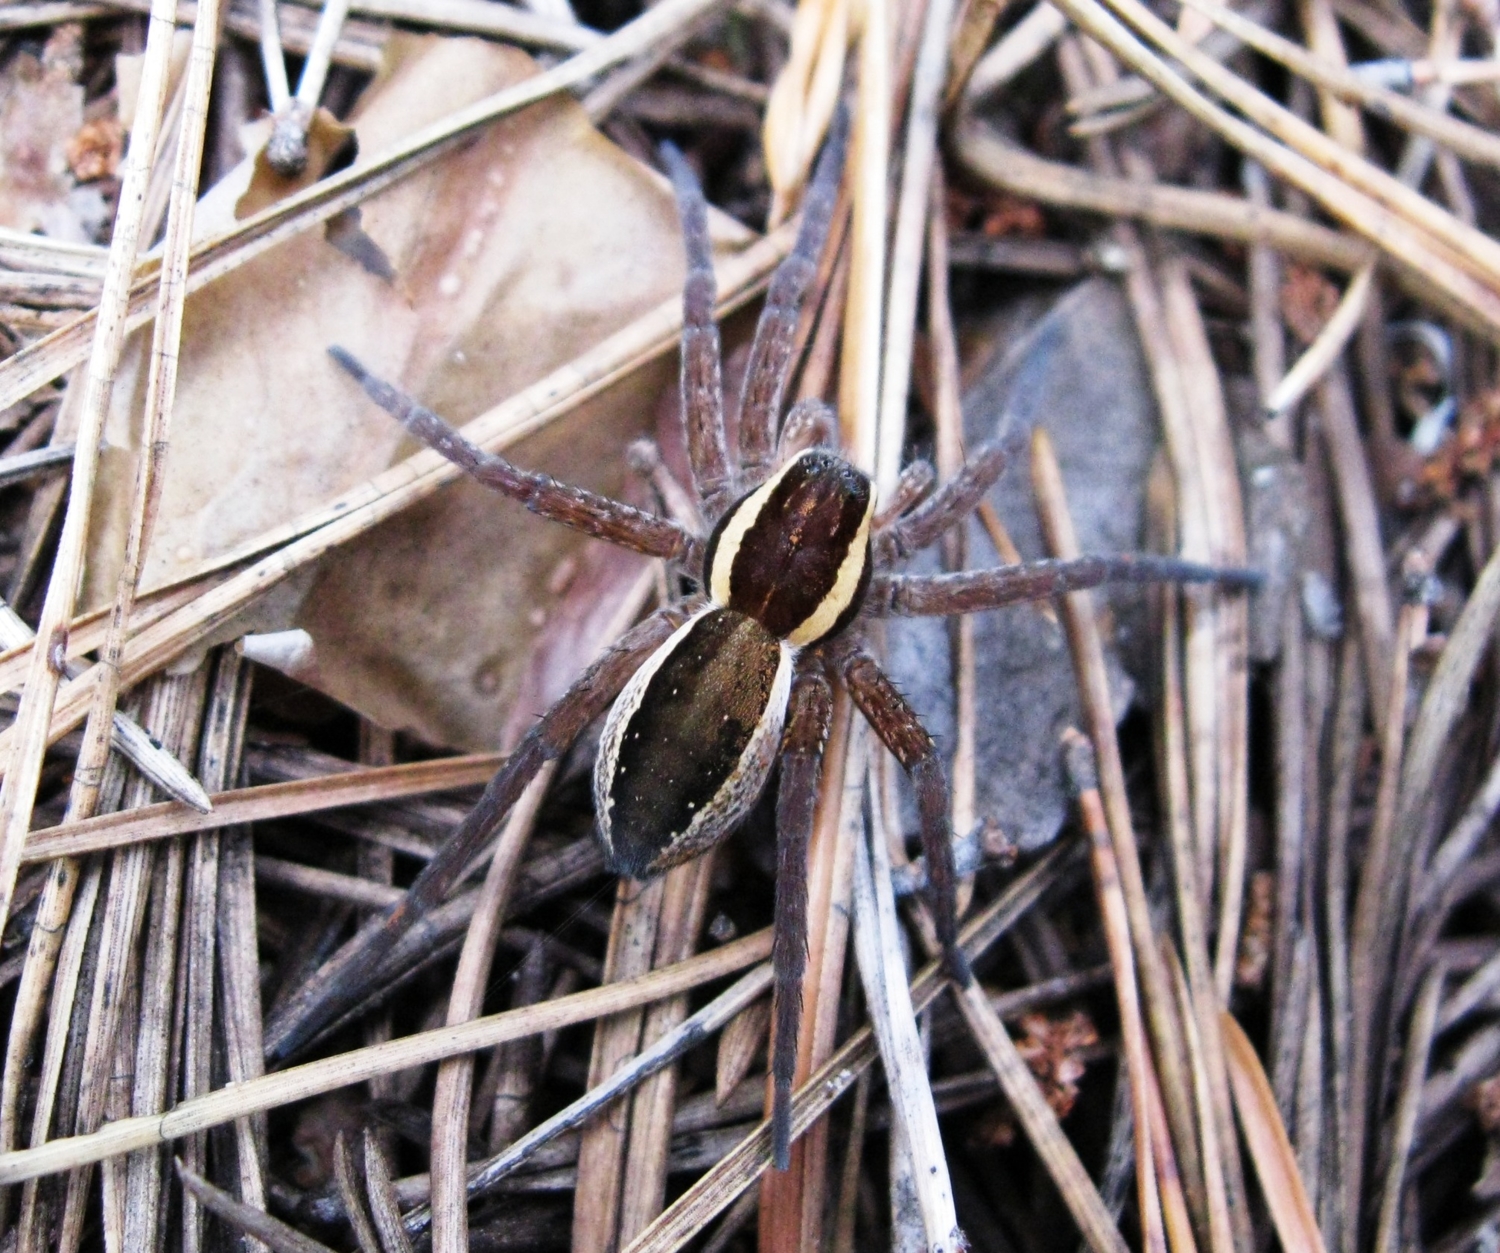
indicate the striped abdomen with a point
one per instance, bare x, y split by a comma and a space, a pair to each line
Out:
688, 744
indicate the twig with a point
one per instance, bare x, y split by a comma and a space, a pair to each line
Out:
882, 971
1408, 1106
1083, 778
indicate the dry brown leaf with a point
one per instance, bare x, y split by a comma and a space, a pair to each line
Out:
94, 151
1052, 1048
41, 110
1255, 937
1307, 301
511, 256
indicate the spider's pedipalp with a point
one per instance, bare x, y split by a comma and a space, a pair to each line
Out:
810, 423
901, 730
973, 591
771, 351
574, 507
796, 800
343, 982
952, 503
702, 384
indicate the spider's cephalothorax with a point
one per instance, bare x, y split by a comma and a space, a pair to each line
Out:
690, 742
705, 695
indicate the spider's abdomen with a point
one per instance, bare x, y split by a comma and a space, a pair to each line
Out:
794, 554
688, 744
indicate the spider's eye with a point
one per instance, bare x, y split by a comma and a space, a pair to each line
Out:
794, 554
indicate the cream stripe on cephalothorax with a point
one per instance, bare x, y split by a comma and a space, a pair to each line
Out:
795, 552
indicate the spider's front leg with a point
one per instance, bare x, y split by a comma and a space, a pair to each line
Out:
342, 983
901, 731
575, 507
702, 384
796, 800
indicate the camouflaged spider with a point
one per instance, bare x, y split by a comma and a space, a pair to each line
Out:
705, 695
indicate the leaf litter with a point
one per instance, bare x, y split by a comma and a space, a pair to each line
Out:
1269, 762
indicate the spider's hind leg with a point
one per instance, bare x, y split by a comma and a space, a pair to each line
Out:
901, 731
575, 507
343, 982
801, 764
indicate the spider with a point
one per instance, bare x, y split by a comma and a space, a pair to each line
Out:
705, 695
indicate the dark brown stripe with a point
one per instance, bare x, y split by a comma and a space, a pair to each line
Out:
790, 557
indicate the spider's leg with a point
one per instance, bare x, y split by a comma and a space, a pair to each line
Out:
801, 763
915, 482
946, 508
922, 595
343, 981
702, 387
810, 423
575, 507
771, 352
901, 731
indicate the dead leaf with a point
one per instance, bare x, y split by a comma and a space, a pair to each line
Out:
1254, 953
511, 256
94, 151
1077, 371
1307, 301
41, 110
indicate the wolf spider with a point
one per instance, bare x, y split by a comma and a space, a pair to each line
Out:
706, 694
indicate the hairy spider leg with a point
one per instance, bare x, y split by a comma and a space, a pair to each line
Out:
945, 508
702, 386
771, 351
973, 591
901, 731
916, 481
574, 507
345, 980
796, 800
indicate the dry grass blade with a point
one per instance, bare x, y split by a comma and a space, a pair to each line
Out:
256, 804
28, 734
649, 1061
257, 1224
1088, 663
1271, 1151
1006, 165
1083, 776
450, 1100
1462, 138
312, 1078
882, 970
1040, 1123
1384, 225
